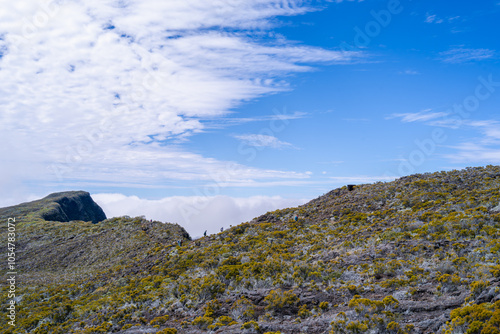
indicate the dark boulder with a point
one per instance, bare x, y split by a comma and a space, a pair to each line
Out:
76, 205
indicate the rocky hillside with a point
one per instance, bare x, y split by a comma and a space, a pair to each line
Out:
74, 245
62, 252
417, 255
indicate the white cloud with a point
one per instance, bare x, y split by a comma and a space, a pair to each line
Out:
462, 55
259, 140
104, 89
430, 18
475, 153
195, 213
484, 149
423, 116
433, 19
279, 118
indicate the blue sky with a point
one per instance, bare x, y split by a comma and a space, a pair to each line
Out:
233, 108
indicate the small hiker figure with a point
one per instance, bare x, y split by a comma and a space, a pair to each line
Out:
205, 233
222, 229
296, 218
179, 242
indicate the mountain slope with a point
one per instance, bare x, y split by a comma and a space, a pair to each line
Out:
417, 255
70, 248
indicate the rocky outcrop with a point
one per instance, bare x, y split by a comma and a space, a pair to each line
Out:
77, 205
61, 207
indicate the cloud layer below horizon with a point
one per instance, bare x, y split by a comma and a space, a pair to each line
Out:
195, 213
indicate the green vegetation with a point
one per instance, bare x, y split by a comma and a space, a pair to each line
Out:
369, 260
483, 318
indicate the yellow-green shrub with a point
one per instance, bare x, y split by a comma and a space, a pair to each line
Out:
159, 320
202, 322
167, 331
304, 312
251, 325
277, 299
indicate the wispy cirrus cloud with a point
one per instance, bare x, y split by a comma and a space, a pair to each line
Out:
464, 55
432, 18
260, 140
423, 116
472, 152
484, 148
481, 149
282, 116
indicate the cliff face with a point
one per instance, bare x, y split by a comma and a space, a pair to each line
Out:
77, 205
61, 207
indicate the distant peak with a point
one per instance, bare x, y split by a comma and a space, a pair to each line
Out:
62, 207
